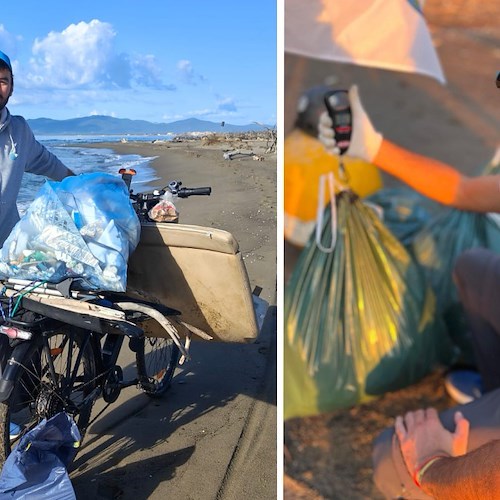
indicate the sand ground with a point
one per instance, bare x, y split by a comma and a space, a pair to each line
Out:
243, 199
329, 456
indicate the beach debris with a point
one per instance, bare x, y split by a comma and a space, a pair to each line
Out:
164, 211
271, 137
230, 155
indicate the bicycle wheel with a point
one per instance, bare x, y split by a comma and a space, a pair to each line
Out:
156, 361
58, 373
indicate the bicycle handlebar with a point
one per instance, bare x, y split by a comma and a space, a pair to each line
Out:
180, 193
143, 202
201, 191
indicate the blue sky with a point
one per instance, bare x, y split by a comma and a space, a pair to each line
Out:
155, 60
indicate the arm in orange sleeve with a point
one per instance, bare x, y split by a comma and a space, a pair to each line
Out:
439, 181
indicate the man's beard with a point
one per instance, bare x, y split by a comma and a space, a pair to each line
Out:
3, 102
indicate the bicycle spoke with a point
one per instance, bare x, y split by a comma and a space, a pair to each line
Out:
57, 373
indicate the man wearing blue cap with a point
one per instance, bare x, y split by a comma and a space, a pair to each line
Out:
19, 152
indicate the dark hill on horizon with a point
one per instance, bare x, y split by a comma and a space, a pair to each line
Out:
122, 126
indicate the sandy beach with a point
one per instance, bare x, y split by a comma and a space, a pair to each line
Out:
218, 420
243, 199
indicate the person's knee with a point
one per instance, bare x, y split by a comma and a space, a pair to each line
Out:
389, 470
384, 475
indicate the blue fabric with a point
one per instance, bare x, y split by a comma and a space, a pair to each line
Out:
36, 468
464, 385
5, 58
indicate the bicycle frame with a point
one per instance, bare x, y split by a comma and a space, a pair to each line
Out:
106, 356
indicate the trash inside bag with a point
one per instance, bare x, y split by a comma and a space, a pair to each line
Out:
359, 319
84, 226
436, 248
36, 468
164, 211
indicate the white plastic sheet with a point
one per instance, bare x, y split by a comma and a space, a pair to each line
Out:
84, 226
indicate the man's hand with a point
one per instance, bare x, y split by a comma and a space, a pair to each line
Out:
422, 436
365, 140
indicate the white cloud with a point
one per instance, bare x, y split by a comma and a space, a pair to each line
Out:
187, 73
146, 71
227, 104
83, 57
222, 110
173, 117
201, 112
75, 57
95, 112
8, 43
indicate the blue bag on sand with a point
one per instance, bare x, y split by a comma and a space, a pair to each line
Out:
36, 468
84, 226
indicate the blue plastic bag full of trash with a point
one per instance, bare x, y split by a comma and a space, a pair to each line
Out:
36, 468
84, 226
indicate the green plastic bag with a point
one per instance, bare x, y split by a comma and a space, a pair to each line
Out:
436, 236
359, 320
436, 248
404, 211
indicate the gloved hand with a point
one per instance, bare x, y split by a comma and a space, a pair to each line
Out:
365, 140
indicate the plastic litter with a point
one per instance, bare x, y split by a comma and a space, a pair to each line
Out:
83, 226
164, 210
36, 468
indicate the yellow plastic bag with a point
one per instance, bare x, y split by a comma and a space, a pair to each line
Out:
305, 161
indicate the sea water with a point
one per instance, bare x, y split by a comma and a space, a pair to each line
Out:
82, 159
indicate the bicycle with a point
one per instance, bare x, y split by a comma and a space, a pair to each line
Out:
63, 343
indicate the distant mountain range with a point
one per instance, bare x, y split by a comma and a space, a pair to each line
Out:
97, 125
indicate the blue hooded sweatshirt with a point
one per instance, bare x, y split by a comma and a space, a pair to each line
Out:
20, 152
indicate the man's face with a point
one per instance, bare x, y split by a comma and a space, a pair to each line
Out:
5, 87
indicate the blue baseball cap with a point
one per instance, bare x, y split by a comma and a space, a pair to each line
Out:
5, 58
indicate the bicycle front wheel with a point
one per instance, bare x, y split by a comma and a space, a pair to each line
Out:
156, 359
58, 373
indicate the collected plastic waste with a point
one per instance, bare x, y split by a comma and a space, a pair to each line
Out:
404, 211
164, 210
84, 226
36, 468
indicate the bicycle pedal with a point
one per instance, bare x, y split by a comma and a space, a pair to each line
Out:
147, 385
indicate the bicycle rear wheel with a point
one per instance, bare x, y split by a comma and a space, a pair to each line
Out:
156, 359
58, 373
